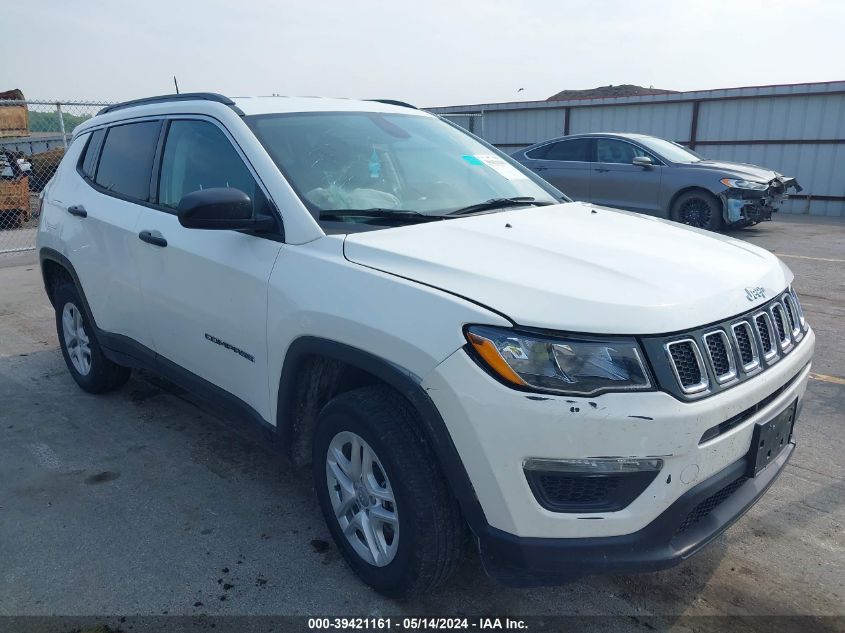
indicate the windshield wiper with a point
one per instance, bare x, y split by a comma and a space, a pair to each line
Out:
404, 215
498, 203
398, 215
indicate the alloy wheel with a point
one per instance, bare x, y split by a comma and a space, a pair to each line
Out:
76, 339
696, 212
362, 498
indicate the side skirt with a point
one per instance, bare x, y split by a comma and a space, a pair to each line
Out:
128, 352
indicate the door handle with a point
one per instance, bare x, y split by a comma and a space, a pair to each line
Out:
78, 210
150, 238
540, 168
601, 170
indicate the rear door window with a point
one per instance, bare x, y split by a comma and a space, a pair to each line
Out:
538, 153
574, 150
92, 153
126, 162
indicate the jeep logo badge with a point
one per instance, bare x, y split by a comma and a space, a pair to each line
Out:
755, 293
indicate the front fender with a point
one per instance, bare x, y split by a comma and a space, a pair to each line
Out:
404, 382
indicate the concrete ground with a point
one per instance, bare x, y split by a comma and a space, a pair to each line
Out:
145, 502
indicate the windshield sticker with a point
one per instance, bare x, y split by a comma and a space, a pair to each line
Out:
472, 160
498, 165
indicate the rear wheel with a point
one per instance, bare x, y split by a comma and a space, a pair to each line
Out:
700, 209
82, 353
382, 494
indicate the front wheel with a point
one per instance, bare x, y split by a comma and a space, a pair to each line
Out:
700, 209
382, 494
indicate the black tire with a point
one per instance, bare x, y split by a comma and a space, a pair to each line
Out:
698, 208
103, 375
431, 534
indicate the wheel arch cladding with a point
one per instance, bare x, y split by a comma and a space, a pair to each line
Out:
56, 268
53, 274
316, 369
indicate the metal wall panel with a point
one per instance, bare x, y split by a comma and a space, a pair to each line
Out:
522, 127
813, 117
671, 121
465, 122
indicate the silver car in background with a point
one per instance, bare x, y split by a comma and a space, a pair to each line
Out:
658, 177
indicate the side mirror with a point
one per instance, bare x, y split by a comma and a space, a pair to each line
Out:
220, 208
643, 161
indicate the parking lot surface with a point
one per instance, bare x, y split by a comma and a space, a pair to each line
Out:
144, 501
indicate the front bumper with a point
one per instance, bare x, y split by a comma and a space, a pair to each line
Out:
693, 521
745, 207
743, 211
496, 429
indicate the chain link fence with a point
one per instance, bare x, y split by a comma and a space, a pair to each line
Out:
33, 138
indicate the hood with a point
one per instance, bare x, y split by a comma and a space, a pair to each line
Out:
742, 170
579, 268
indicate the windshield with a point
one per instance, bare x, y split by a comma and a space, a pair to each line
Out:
403, 163
672, 152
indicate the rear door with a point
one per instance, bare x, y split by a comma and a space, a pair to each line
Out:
617, 182
206, 290
565, 164
103, 200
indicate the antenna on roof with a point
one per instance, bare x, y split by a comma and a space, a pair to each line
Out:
176, 83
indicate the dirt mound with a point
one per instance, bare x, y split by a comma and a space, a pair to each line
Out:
604, 92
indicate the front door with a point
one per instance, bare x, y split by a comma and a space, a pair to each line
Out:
206, 290
616, 182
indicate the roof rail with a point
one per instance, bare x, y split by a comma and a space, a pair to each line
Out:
185, 96
401, 104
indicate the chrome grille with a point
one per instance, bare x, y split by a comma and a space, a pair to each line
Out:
779, 317
798, 308
746, 346
721, 356
767, 338
792, 316
688, 365
789, 316
703, 361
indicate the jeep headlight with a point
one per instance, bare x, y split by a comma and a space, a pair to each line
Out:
572, 366
744, 184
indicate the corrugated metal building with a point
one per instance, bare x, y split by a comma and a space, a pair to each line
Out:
797, 129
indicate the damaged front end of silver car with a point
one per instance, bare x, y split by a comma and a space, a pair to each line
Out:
746, 203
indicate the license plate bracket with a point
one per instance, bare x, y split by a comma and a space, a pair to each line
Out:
770, 438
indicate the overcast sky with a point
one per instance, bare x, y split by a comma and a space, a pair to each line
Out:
428, 52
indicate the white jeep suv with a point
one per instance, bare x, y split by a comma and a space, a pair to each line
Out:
461, 352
